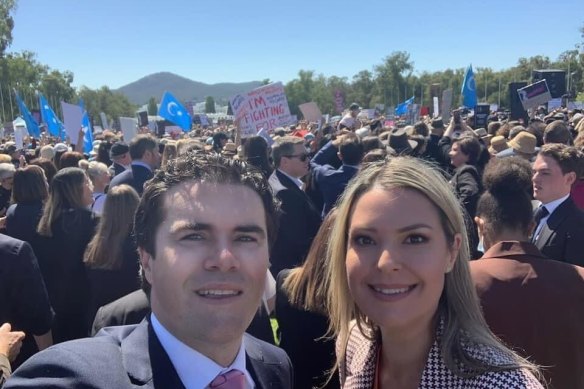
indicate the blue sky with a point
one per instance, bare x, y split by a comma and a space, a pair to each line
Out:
107, 42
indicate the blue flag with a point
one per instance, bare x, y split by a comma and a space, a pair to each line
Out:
53, 123
469, 89
31, 124
402, 108
172, 110
86, 126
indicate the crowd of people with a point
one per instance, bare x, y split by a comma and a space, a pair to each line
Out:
389, 255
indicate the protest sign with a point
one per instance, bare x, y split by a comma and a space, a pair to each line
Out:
264, 107
576, 105
554, 103
311, 112
129, 129
534, 94
446, 104
19, 138
72, 115
339, 101
104, 122
436, 107
494, 107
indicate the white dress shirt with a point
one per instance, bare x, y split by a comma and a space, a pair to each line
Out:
195, 370
297, 181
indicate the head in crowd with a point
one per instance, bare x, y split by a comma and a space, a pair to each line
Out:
354, 109
170, 152
420, 128
5, 158
70, 189
30, 185
104, 251
103, 153
350, 149
504, 210
60, 149
204, 220
524, 145
371, 142
83, 164
100, 176
48, 166
493, 127
557, 132
399, 222
290, 156
7, 171
555, 169
47, 152
144, 148
120, 154
185, 145
257, 153
304, 284
465, 151
374, 155
537, 129
219, 140
70, 159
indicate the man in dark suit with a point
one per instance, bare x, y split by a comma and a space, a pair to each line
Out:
559, 232
203, 230
24, 302
299, 219
145, 159
330, 181
120, 156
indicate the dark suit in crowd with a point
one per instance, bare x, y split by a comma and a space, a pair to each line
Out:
299, 223
116, 169
22, 220
24, 302
330, 181
562, 236
136, 176
135, 358
536, 306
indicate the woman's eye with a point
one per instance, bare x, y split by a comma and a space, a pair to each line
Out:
416, 239
361, 240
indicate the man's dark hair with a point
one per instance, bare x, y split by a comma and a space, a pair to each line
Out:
471, 147
284, 146
557, 132
569, 158
140, 144
195, 167
351, 150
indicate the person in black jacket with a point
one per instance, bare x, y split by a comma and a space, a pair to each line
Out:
65, 229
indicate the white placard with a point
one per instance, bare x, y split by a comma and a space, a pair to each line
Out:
311, 112
72, 116
19, 138
446, 105
129, 128
554, 103
436, 112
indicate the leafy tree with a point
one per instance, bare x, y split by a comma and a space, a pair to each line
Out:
152, 107
209, 104
7, 7
105, 100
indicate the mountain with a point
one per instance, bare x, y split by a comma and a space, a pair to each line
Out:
154, 85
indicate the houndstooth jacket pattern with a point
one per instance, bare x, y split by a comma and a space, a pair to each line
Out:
357, 370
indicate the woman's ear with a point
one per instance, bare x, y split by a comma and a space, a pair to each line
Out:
454, 250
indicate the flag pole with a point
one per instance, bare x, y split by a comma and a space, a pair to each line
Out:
2, 98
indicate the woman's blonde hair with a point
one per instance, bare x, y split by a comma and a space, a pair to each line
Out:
458, 308
104, 251
65, 192
170, 152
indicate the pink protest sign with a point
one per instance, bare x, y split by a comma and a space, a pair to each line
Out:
265, 107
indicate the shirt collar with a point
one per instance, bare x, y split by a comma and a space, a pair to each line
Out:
552, 205
140, 163
194, 369
297, 181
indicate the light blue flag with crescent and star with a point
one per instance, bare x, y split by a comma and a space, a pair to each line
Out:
31, 125
469, 89
402, 108
173, 111
86, 126
54, 125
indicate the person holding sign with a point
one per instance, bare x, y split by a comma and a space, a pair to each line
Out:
350, 121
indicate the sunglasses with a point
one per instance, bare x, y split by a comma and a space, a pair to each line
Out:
302, 157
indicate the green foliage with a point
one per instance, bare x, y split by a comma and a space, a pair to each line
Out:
152, 107
7, 7
209, 104
113, 104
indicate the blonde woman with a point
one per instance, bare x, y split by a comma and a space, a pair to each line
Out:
399, 293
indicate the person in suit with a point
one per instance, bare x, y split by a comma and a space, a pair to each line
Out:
299, 219
531, 303
120, 155
203, 228
145, 159
24, 302
559, 231
330, 181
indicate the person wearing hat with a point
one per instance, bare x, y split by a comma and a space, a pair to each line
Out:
349, 121
120, 156
399, 143
498, 144
7, 171
522, 145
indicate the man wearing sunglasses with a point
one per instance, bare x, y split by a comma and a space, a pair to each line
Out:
299, 218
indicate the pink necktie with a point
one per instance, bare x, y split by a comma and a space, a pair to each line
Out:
233, 379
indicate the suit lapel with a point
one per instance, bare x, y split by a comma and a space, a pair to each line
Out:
146, 361
553, 222
289, 184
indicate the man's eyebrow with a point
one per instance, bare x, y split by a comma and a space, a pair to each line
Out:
191, 226
253, 228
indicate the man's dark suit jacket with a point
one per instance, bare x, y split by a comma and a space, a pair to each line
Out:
135, 177
330, 181
117, 169
562, 237
535, 305
299, 223
131, 357
24, 302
